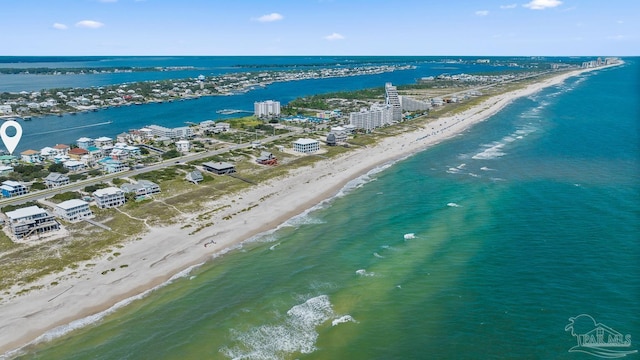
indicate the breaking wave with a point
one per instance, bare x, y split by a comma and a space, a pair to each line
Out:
296, 334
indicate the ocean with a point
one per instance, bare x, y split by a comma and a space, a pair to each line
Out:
482, 247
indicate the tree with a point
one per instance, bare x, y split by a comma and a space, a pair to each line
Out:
58, 168
173, 153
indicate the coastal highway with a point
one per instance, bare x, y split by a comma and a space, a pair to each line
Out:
42, 194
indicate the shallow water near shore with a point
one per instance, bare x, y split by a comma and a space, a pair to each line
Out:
523, 221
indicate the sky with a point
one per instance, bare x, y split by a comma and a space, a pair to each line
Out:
320, 27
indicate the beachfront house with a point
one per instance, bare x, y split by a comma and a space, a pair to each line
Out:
142, 188
109, 197
54, 180
103, 141
10, 188
27, 221
73, 210
194, 176
306, 146
219, 168
267, 158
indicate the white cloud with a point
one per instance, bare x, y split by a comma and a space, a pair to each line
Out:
91, 24
510, 6
482, 12
59, 26
334, 36
542, 4
270, 17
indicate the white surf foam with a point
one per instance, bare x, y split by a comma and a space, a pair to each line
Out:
363, 272
452, 204
409, 236
378, 255
296, 334
343, 319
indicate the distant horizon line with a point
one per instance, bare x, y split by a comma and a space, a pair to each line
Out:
333, 55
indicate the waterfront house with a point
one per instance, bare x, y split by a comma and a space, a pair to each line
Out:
219, 168
142, 188
61, 149
194, 176
85, 143
267, 158
77, 153
54, 180
73, 210
306, 146
10, 188
47, 153
30, 156
122, 137
103, 142
183, 146
109, 197
27, 221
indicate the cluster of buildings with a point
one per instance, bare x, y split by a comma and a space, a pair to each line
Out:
600, 62
390, 112
266, 109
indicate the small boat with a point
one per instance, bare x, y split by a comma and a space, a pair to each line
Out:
26, 118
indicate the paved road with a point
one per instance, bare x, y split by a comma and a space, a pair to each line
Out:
41, 194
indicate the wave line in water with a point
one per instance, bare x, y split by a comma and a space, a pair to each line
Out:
71, 128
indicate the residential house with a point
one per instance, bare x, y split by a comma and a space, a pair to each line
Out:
73, 210
74, 165
27, 221
142, 188
48, 153
54, 180
61, 149
112, 166
194, 176
30, 156
10, 188
77, 153
5, 170
103, 141
85, 143
267, 158
306, 146
219, 168
183, 146
109, 197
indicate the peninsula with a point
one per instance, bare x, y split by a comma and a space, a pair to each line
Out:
61, 301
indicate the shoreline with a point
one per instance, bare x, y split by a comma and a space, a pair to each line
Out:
164, 253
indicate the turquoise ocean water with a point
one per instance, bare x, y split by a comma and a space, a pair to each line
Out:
482, 247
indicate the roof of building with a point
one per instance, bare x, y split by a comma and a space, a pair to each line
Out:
11, 183
78, 151
70, 204
29, 152
61, 146
218, 165
104, 138
107, 191
56, 177
84, 139
25, 212
305, 141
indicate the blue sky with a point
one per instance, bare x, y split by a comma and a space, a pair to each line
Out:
320, 27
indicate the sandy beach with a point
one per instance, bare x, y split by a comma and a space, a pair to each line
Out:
163, 253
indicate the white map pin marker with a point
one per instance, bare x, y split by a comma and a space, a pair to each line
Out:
10, 141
